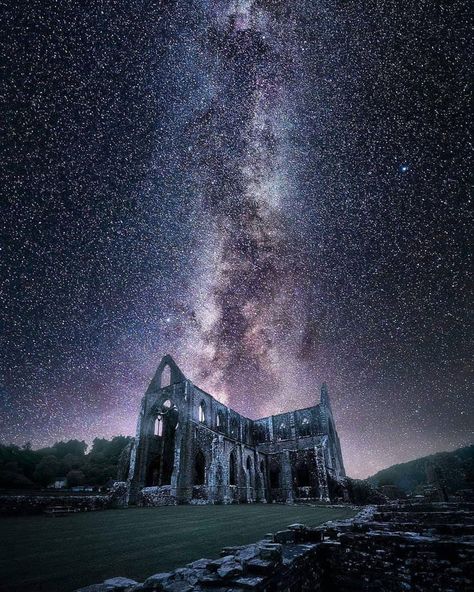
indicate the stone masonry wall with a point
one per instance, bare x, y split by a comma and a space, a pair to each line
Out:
393, 548
12, 505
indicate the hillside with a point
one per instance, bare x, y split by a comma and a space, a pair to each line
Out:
457, 469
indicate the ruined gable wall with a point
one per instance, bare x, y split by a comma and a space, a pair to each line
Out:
206, 434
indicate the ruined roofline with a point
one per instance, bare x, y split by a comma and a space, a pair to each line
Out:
286, 412
180, 378
248, 418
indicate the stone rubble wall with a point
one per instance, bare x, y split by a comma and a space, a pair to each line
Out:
13, 505
157, 496
391, 548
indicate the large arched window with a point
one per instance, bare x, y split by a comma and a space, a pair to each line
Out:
159, 426
199, 469
202, 412
232, 469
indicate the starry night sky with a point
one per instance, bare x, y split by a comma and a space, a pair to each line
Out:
273, 192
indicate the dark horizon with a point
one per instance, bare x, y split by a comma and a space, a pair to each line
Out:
276, 195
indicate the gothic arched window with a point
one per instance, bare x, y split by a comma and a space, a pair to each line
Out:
305, 428
202, 412
232, 469
220, 421
158, 426
282, 432
234, 428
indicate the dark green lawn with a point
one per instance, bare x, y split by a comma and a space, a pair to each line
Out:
64, 553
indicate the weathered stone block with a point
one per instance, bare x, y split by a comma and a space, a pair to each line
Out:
249, 582
158, 581
284, 536
119, 584
230, 569
271, 551
260, 566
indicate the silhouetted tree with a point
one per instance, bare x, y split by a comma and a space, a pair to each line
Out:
47, 470
74, 478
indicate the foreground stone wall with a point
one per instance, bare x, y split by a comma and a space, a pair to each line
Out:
390, 548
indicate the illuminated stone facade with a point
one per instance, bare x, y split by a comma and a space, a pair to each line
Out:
190, 448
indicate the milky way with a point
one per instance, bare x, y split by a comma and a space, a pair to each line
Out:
275, 193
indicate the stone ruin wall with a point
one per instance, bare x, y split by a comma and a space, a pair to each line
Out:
204, 452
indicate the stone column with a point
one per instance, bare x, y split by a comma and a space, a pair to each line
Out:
287, 476
261, 489
321, 472
216, 477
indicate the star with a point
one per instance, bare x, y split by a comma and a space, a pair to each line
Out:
234, 183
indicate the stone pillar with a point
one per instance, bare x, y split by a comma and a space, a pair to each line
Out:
216, 476
243, 480
321, 472
261, 489
176, 461
286, 476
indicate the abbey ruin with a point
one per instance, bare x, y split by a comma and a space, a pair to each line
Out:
190, 448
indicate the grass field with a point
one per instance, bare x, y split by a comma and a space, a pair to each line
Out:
39, 553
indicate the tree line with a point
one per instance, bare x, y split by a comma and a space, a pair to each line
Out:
21, 467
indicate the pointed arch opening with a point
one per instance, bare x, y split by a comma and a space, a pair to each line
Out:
159, 426
234, 428
232, 469
202, 412
303, 477
161, 447
283, 431
274, 476
199, 477
305, 427
153, 473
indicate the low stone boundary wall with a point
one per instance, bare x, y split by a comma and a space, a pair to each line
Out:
157, 496
392, 548
11, 505
165, 495
15, 505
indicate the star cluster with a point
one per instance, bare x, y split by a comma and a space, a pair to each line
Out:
275, 193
